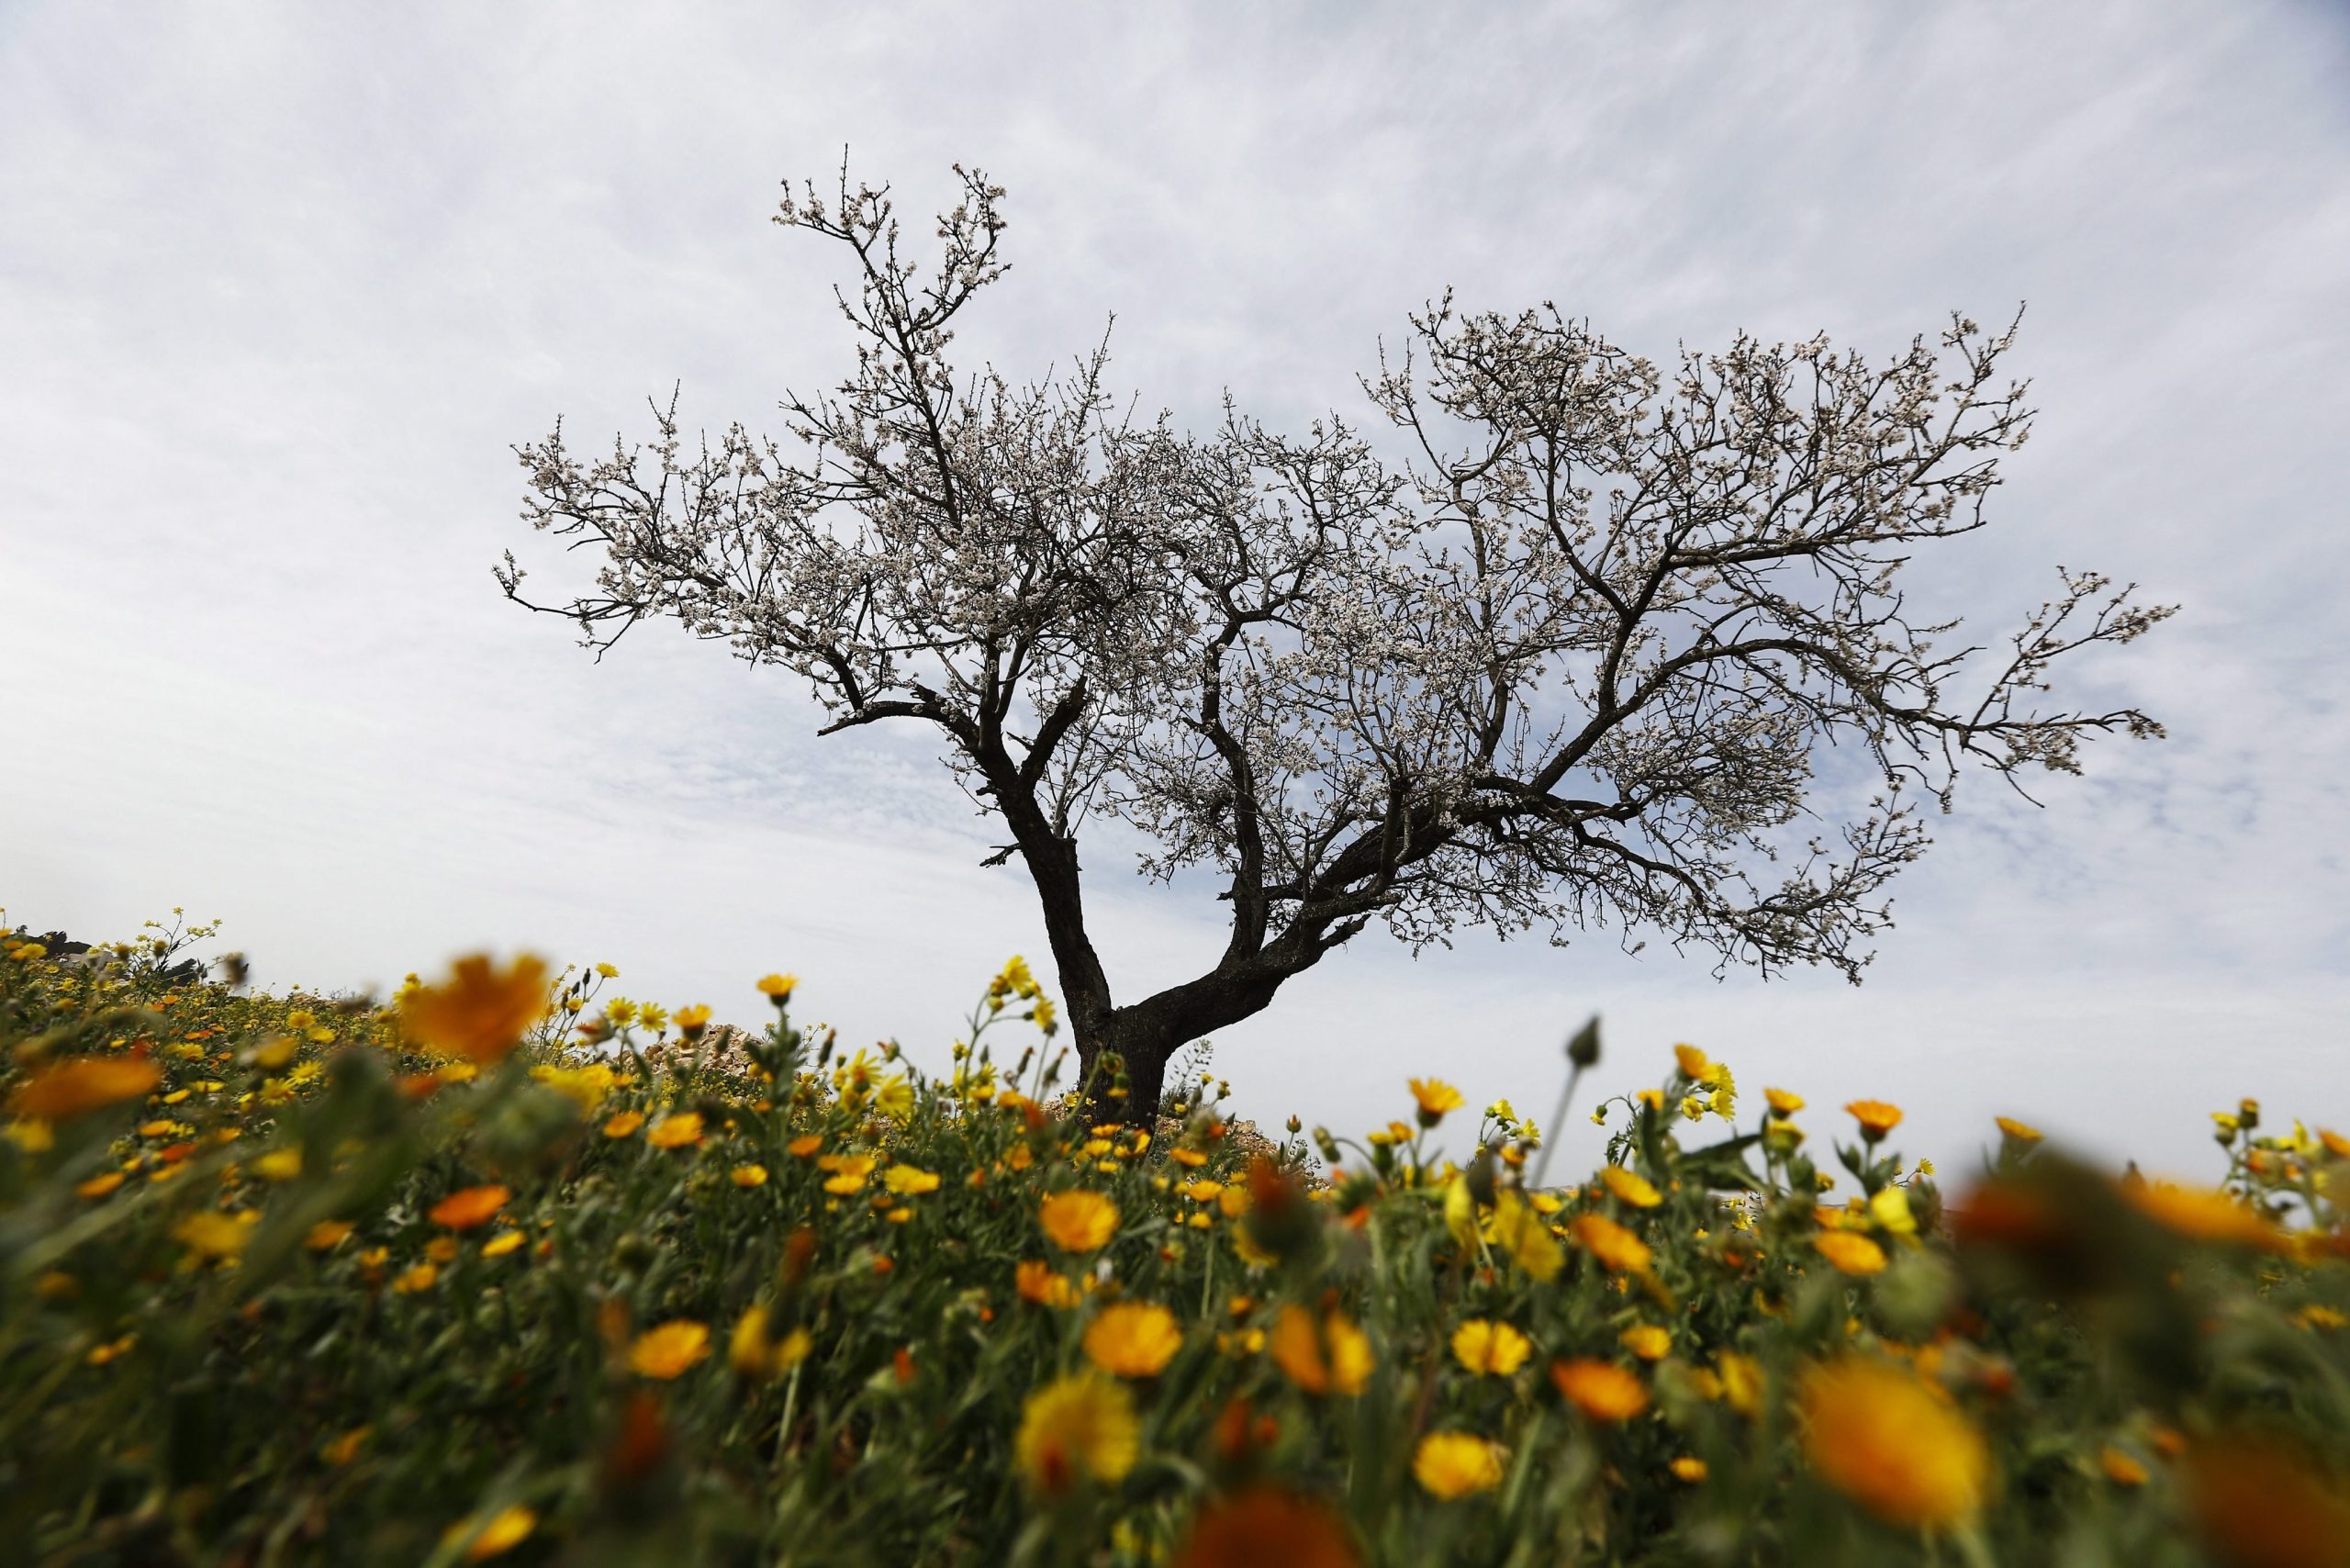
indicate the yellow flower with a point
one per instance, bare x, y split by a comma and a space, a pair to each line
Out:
327, 1235
2120, 1468
805, 1146
584, 1086
2314, 1316
669, 1351
1075, 1430
1741, 1382
1488, 1348
2019, 1131
1037, 1282
1688, 1468
1454, 1465
1519, 1229
679, 1129
1881, 1436
1616, 1248
211, 1233
1631, 1187
1079, 1220
624, 1123
749, 1175
907, 1181
1133, 1338
692, 1020
1693, 1064
469, 1208
848, 1172
478, 1013
75, 1088
755, 1354
778, 987
498, 1246
279, 1165
1601, 1390
1876, 1117
422, 1277
1436, 1097
1849, 1251
502, 1532
99, 1186
1889, 1207
607, 971
1647, 1342
1784, 1103
1327, 1355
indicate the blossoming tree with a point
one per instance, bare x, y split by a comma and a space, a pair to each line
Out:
1557, 641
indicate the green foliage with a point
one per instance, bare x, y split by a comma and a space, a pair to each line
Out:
307, 1293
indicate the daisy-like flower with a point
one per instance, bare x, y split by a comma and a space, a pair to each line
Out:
1784, 1103
1849, 1251
1037, 1281
469, 1207
1455, 1464
1074, 1430
1601, 1390
1879, 1435
1490, 1348
2021, 1132
75, 1088
669, 1351
1876, 1117
1631, 1187
1617, 1249
1079, 1220
623, 1125
747, 1176
1694, 1065
777, 988
1435, 1097
479, 1013
1133, 1338
1647, 1341
679, 1129
1322, 1355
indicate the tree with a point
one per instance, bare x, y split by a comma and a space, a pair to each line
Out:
1567, 654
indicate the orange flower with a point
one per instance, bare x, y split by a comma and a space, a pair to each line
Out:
2019, 1131
1601, 1390
1079, 1220
1688, 1468
1133, 1338
669, 1351
1849, 1251
748, 1176
1885, 1439
1435, 1097
1037, 1282
2205, 1214
1328, 1356
1266, 1527
75, 1088
478, 1013
1616, 1248
624, 1123
1876, 1117
2261, 1504
327, 1235
2120, 1468
1784, 1103
679, 1129
469, 1208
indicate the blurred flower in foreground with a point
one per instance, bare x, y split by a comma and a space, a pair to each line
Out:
1454, 1465
1077, 1428
1882, 1437
1265, 1527
73, 1088
478, 1013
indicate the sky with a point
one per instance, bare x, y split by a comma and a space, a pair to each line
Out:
282, 287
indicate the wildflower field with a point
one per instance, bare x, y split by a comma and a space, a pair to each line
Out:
513, 1268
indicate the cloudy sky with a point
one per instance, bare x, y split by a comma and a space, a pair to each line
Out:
280, 286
